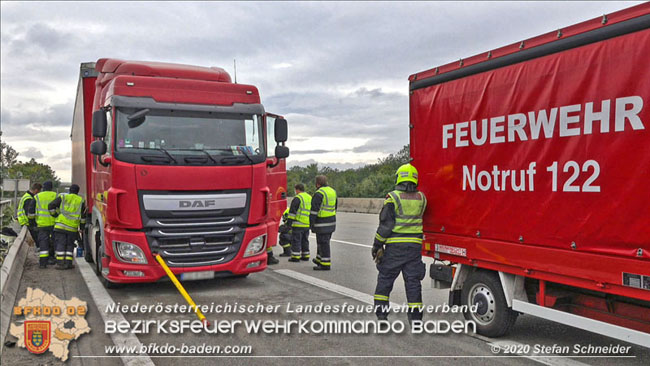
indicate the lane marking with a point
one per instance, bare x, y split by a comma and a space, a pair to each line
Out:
344, 242
550, 360
345, 291
103, 299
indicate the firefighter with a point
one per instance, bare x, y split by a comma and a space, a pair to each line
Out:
70, 212
26, 212
44, 224
285, 234
398, 244
322, 221
285, 241
299, 223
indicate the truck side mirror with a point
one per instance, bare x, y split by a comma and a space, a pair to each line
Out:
97, 147
99, 123
281, 131
281, 152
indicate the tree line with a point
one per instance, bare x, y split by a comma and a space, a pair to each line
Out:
369, 181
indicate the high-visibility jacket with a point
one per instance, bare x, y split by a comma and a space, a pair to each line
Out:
323, 210
23, 217
43, 216
69, 211
409, 208
301, 217
328, 206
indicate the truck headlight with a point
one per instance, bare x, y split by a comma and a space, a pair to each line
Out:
255, 246
129, 253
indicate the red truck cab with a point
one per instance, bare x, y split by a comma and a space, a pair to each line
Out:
176, 160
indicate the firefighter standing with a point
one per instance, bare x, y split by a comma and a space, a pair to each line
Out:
400, 230
44, 224
70, 211
299, 223
26, 212
322, 220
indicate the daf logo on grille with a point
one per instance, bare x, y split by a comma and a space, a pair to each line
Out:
197, 203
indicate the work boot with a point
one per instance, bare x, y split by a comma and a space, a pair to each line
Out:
60, 266
294, 259
316, 261
51, 260
304, 258
286, 253
272, 260
69, 264
321, 268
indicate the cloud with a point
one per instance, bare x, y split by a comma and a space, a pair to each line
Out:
334, 69
32, 152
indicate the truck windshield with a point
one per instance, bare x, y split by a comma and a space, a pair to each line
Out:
165, 136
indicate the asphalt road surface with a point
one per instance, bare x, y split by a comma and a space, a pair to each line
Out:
351, 281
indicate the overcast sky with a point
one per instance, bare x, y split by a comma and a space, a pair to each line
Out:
337, 71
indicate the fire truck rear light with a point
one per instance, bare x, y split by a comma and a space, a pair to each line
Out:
447, 249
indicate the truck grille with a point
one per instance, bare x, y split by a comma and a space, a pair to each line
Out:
188, 238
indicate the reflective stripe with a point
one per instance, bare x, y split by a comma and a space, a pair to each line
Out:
325, 224
302, 216
69, 212
23, 217
60, 225
381, 297
404, 240
286, 245
414, 304
380, 238
44, 255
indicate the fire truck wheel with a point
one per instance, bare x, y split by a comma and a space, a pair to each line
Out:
493, 316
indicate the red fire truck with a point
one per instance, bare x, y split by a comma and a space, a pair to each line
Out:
535, 158
175, 160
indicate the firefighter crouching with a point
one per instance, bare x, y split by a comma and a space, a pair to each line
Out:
398, 244
70, 211
285, 235
44, 224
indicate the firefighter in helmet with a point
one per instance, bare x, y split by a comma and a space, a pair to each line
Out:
398, 243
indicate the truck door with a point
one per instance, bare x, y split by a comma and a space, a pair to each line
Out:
276, 178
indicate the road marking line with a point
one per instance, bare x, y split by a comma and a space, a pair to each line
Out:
345, 242
103, 299
550, 360
354, 294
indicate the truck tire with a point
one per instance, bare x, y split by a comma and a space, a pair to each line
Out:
88, 254
494, 318
95, 232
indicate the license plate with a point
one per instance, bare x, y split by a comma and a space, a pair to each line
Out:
193, 276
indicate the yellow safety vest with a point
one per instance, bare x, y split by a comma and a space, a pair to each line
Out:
23, 218
328, 205
43, 216
409, 208
69, 212
301, 218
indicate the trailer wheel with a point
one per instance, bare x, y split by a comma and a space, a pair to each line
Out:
493, 317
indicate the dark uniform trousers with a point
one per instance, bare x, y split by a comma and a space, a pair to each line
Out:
64, 241
45, 243
404, 258
300, 242
323, 245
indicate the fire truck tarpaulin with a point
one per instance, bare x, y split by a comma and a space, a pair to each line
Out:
548, 152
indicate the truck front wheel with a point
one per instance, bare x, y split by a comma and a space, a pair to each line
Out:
493, 317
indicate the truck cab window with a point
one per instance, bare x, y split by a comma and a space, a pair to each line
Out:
270, 135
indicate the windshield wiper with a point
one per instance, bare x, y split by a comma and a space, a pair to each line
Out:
200, 150
164, 151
